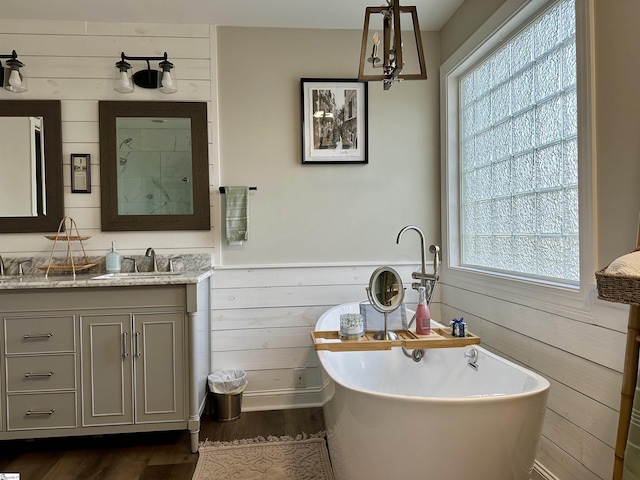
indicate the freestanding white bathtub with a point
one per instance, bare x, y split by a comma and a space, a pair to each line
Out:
390, 418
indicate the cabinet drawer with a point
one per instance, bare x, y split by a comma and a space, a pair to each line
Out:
44, 372
43, 410
39, 334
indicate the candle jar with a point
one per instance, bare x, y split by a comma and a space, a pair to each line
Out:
351, 325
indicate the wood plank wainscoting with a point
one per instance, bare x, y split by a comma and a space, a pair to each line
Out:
580, 355
262, 318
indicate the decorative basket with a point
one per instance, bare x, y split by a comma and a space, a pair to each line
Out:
618, 287
65, 230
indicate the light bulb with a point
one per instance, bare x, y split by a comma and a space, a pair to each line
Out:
123, 84
167, 83
374, 51
14, 79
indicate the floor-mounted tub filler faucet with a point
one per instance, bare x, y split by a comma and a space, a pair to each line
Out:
426, 280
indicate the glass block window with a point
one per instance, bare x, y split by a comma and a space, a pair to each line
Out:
519, 155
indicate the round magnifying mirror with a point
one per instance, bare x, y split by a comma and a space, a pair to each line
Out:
385, 291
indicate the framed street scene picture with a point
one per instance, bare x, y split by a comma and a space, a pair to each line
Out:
334, 121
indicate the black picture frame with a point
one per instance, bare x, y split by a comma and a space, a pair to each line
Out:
334, 121
80, 173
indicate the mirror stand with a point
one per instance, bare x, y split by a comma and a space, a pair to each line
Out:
385, 293
385, 334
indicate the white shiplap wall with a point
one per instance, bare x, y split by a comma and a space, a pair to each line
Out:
262, 318
73, 62
580, 355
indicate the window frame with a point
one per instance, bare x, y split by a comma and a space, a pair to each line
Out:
507, 21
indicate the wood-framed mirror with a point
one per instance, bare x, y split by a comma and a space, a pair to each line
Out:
154, 167
32, 197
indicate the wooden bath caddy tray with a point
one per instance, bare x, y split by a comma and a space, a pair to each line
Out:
439, 338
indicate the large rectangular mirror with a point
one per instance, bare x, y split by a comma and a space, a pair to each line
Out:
31, 189
154, 167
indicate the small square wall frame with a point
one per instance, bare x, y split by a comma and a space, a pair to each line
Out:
80, 173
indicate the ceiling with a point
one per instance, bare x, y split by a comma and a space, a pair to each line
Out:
332, 14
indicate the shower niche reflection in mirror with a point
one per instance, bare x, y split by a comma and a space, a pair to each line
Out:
154, 166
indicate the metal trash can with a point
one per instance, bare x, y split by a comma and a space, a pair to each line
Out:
226, 387
227, 407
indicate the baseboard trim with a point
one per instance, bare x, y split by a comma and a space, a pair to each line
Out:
282, 399
541, 473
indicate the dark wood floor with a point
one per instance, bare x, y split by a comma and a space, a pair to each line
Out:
144, 456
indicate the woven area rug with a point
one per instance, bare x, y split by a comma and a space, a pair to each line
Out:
304, 457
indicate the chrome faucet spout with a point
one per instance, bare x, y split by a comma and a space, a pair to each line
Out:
1, 265
151, 253
423, 267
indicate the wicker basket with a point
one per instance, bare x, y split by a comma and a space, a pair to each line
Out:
616, 287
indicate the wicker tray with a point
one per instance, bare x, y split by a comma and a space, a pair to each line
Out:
64, 238
67, 268
616, 287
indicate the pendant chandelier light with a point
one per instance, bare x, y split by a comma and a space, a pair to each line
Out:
392, 61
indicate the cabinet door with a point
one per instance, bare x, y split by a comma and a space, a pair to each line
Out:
106, 369
159, 366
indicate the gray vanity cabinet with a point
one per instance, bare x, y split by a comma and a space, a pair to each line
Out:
98, 360
132, 368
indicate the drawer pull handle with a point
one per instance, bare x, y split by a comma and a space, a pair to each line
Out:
36, 412
39, 374
28, 336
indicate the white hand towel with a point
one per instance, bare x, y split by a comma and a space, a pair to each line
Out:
237, 214
628, 264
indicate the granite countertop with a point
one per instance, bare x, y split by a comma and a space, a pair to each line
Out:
88, 280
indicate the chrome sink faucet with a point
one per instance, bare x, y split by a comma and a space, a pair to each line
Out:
172, 262
21, 268
151, 253
1, 265
134, 262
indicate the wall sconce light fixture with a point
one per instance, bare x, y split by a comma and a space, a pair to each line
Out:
163, 79
13, 79
393, 59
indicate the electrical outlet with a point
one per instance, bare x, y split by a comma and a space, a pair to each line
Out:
299, 377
